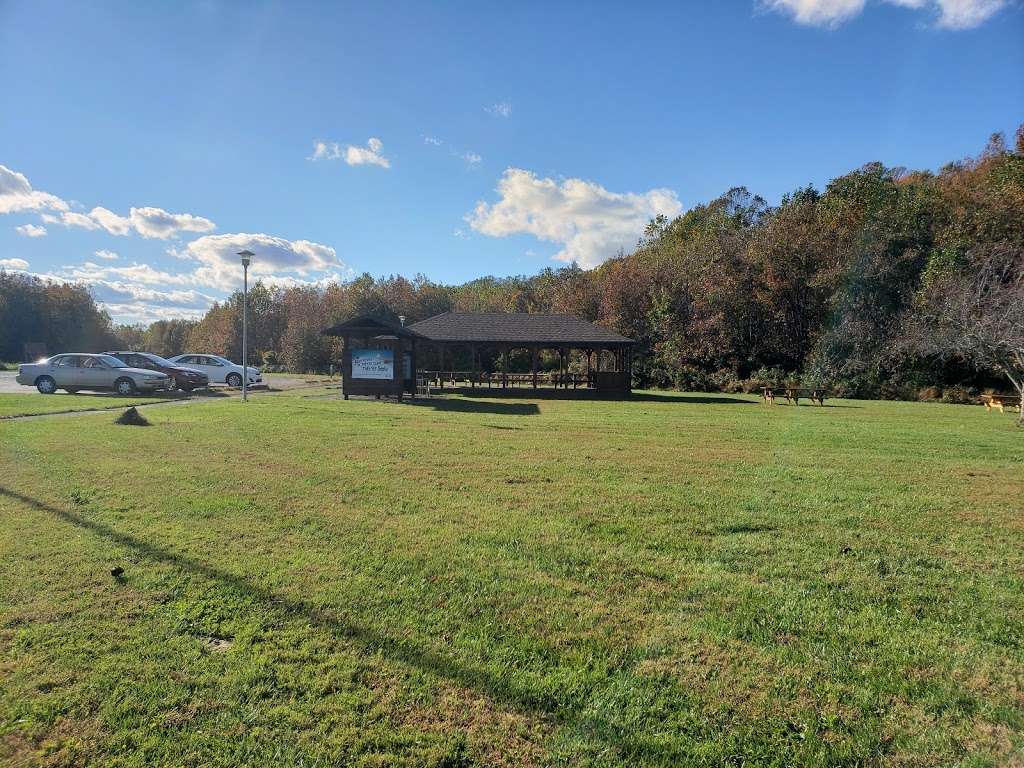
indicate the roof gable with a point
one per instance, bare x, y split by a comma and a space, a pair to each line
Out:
368, 325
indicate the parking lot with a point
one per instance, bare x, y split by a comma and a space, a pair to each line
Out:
8, 385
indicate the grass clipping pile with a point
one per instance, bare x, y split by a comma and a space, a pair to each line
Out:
132, 418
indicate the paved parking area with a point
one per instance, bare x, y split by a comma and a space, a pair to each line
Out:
8, 386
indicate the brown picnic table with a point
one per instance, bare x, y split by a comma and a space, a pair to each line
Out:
793, 394
1000, 401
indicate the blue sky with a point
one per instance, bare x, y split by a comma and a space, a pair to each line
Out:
151, 141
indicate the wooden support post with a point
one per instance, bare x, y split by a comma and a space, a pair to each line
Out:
346, 365
412, 367
397, 364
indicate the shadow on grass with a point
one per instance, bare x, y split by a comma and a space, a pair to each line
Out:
682, 399
528, 392
620, 738
744, 528
145, 397
549, 393
483, 401
468, 405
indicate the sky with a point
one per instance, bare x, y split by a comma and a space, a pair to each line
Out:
143, 144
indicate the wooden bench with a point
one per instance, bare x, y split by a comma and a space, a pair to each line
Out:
1000, 401
793, 394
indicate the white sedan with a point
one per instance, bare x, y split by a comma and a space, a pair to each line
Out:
73, 372
219, 369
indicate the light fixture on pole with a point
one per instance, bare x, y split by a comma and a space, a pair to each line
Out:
246, 258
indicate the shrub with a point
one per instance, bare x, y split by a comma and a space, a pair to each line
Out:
959, 395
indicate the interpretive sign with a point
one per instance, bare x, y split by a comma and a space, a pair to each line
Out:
373, 364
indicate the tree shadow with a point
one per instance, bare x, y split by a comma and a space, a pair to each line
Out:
404, 650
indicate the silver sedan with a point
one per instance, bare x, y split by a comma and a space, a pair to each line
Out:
73, 372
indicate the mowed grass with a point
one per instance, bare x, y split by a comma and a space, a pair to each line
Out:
671, 580
31, 404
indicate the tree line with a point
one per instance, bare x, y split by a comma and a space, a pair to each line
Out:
853, 286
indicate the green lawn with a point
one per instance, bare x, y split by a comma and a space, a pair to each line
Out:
30, 404
673, 580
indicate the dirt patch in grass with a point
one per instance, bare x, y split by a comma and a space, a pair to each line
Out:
68, 743
495, 736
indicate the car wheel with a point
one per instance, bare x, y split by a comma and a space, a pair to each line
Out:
233, 380
124, 386
46, 385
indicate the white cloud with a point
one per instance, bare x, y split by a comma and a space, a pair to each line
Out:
158, 223
353, 155
16, 194
951, 14
369, 155
965, 14
143, 274
137, 293
823, 13
325, 150
501, 109
110, 221
108, 255
144, 312
75, 219
128, 293
152, 223
19, 264
31, 230
589, 222
220, 266
287, 281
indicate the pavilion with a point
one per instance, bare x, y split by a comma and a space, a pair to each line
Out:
608, 354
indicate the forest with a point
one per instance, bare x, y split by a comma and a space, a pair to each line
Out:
887, 283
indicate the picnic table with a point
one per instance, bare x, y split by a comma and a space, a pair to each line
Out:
793, 394
999, 401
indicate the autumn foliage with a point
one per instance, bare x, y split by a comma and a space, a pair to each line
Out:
829, 285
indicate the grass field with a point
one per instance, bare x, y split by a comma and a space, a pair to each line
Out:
30, 404
672, 580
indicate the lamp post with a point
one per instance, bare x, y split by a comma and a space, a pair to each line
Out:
246, 258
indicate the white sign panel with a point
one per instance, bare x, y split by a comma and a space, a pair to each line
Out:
373, 364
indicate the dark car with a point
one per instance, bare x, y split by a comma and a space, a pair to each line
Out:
185, 379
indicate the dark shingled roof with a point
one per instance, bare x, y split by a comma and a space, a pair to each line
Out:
516, 327
369, 325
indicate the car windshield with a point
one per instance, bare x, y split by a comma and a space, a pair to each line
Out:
110, 360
